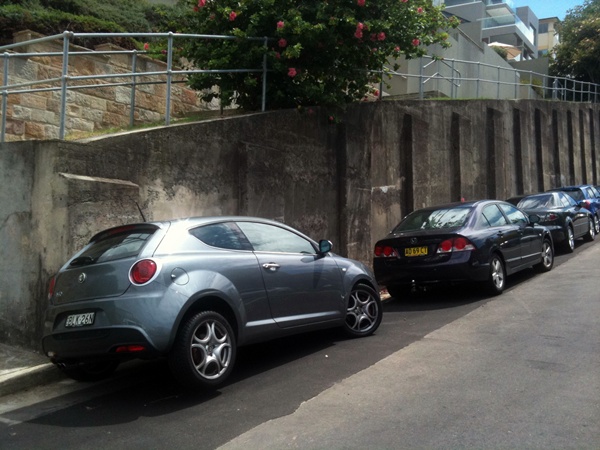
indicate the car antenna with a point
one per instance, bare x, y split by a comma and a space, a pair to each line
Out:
140, 210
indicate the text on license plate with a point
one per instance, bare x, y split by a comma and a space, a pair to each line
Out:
415, 251
80, 320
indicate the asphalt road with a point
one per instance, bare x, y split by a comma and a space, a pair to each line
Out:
447, 369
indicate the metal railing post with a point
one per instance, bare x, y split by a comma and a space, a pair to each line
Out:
478, 78
169, 78
64, 79
133, 86
452, 90
4, 97
516, 85
263, 106
381, 82
498, 85
421, 85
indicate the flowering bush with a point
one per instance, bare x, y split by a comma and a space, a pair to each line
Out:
319, 53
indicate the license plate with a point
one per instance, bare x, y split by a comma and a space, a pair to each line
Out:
415, 251
80, 320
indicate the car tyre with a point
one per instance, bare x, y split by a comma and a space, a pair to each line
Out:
569, 243
497, 277
547, 257
591, 234
204, 351
363, 311
597, 223
93, 371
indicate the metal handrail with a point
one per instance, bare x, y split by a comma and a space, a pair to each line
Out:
65, 79
556, 88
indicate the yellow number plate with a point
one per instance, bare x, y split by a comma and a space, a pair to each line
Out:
415, 251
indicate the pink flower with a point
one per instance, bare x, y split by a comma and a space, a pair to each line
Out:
416, 42
420, 10
201, 3
232, 16
358, 34
373, 37
277, 55
195, 8
146, 46
282, 42
360, 2
360, 26
292, 72
331, 118
381, 36
404, 1
280, 25
397, 49
376, 93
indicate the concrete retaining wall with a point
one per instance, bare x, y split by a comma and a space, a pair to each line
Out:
349, 182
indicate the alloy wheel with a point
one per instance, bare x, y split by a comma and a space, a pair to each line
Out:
364, 312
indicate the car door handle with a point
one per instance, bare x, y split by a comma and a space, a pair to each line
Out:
271, 266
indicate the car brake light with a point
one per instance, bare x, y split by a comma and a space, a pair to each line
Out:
51, 287
551, 217
459, 244
143, 271
384, 251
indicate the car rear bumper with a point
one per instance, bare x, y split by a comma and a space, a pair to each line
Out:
459, 268
99, 343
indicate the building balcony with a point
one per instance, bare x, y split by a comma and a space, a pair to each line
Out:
509, 24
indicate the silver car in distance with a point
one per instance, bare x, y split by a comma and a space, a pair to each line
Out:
196, 289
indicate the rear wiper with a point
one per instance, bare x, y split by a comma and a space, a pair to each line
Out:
82, 261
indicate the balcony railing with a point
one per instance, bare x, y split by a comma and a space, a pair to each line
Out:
508, 20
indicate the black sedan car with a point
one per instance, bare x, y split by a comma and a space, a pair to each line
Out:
566, 219
587, 196
481, 241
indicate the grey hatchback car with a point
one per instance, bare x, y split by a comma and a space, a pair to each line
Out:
196, 289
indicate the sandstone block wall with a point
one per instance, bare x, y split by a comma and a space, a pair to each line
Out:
37, 115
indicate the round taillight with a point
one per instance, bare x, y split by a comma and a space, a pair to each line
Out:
143, 271
388, 251
460, 243
378, 251
445, 246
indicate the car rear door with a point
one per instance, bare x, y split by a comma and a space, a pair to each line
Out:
506, 236
302, 286
530, 237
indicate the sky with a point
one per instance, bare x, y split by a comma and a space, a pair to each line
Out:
549, 8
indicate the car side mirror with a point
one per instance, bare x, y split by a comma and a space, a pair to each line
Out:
534, 218
325, 246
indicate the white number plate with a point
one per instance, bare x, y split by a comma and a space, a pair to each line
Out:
80, 320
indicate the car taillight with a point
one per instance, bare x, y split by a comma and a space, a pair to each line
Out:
51, 287
458, 244
551, 217
384, 251
143, 271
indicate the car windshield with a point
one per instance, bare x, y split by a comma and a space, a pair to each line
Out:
434, 219
540, 201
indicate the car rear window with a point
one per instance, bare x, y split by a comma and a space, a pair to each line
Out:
576, 194
434, 219
118, 243
541, 201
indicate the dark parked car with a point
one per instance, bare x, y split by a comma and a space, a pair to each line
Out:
586, 196
482, 241
562, 215
195, 290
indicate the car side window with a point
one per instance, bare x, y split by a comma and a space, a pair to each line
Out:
514, 215
270, 238
493, 216
222, 235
